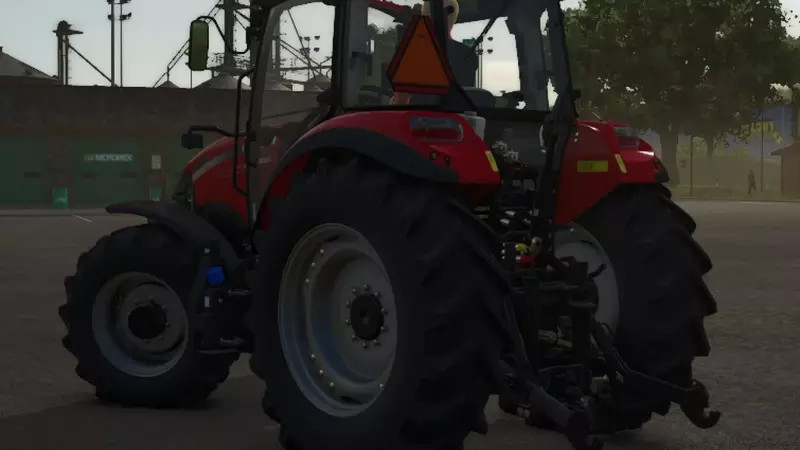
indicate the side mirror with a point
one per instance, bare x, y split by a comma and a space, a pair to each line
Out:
192, 141
198, 45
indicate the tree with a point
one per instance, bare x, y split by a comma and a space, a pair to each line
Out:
701, 67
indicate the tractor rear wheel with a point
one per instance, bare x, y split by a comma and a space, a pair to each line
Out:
651, 293
661, 297
129, 324
378, 313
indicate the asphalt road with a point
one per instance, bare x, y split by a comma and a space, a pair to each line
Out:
752, 372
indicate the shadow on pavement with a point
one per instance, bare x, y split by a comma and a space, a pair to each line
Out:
230, 420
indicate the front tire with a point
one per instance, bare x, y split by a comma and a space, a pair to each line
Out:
129, 325
431, 260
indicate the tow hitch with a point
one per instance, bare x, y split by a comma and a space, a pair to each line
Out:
694, 401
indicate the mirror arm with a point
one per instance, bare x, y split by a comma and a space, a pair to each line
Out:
210, 128
237, 134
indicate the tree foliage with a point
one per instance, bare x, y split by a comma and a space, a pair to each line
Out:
700, 67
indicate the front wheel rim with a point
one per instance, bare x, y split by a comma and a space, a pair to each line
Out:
140, 324
337, 320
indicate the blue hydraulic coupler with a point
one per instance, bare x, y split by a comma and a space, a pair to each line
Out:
215, 276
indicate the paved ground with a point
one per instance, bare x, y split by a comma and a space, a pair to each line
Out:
752, 371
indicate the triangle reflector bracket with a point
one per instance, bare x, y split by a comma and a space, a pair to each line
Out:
419, 65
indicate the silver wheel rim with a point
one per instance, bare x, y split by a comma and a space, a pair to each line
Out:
578, 242
140, 324
337, 320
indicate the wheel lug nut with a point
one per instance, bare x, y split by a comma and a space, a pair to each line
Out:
354, 337
365, 344
321, 372
376, 294
331, 385
348, 303
380, 386
355, 291
384, 312
366, 287
347, 321
384, 329
376, 342
313, 264
322, 251
313, 357
306, 281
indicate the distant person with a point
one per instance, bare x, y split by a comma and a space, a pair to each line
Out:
751, 182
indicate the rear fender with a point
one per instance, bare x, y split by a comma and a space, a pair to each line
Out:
385, 137
595, 164
195, 230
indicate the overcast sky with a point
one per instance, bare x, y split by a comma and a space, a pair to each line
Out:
153, 35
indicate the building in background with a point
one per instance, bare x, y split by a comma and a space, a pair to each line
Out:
790, 169
12, 70
771, 130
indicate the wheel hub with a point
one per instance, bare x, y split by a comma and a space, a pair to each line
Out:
366, 317
578, 242
147, 321
140, 324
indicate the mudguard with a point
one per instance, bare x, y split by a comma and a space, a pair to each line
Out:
194, 229
387, 137
342, 134
376, 146
595, 163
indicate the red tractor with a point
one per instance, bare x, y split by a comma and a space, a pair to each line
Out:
403, 229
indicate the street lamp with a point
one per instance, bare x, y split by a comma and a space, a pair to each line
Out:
113, 18
481, 52
122, 19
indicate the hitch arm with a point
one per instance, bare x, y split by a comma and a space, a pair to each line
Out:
694, 401
529, 395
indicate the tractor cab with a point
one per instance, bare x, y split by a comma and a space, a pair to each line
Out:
501, 65
498, 62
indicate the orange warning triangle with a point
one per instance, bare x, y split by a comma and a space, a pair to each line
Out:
419, 66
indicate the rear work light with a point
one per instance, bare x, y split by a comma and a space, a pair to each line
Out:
626, 137
437, 129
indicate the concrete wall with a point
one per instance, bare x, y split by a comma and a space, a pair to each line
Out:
69, 110
61, 120
60, 125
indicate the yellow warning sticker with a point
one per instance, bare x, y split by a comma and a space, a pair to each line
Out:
592, 166
621, 163
492, 162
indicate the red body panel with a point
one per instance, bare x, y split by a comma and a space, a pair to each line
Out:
467, 158
212, 171
596, 141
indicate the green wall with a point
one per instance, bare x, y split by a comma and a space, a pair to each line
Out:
106, 170
95, 170
23, 170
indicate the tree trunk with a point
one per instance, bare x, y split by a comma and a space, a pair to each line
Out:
669, 153
710, 141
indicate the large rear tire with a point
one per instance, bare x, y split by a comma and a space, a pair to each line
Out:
129, 324
663, 298
651, 293
441, 293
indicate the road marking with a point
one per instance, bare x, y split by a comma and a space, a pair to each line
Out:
81, 218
